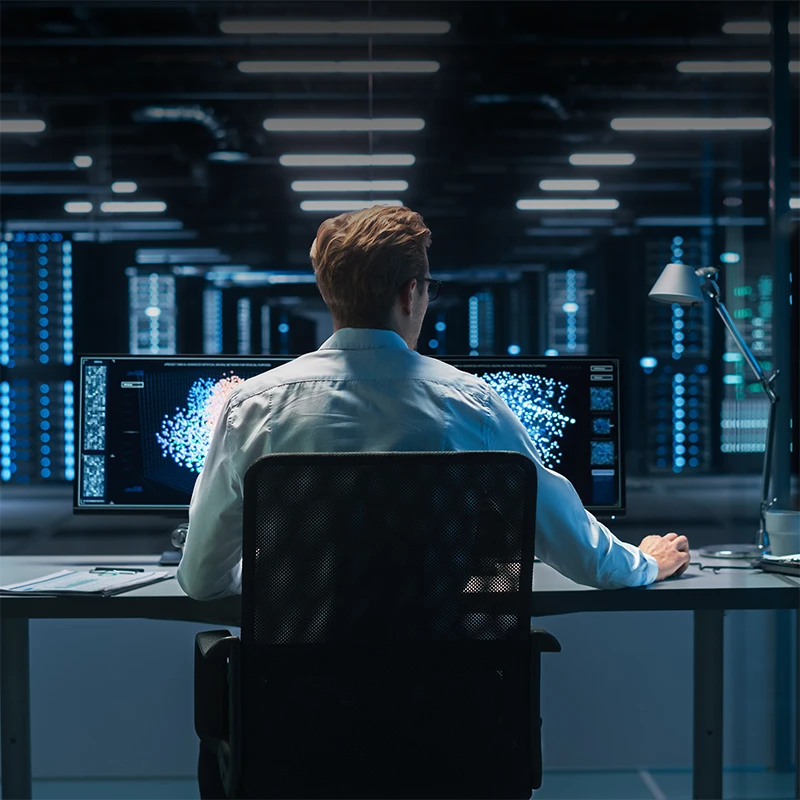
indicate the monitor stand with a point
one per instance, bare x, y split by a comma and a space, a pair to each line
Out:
171, 558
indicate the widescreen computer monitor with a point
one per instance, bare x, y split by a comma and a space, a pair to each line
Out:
145, 423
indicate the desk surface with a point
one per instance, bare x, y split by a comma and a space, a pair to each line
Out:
553, 593
696, 589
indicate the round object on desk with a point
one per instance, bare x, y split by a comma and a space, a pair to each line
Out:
178, 537
750, 551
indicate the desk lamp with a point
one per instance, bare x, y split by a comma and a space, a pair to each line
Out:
684, 285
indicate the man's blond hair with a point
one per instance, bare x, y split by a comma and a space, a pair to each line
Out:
362, 258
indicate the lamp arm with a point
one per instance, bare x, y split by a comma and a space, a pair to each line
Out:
712, 290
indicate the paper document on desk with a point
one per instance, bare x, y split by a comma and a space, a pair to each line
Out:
69, 581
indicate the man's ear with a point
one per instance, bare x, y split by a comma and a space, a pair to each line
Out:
406, 294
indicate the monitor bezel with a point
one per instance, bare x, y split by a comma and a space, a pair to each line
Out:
601, 512
176, 511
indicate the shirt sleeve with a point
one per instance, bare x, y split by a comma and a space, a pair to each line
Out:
211, 566
568, 537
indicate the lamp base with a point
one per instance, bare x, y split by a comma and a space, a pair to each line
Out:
749, 551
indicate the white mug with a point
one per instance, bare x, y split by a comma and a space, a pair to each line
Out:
783, 529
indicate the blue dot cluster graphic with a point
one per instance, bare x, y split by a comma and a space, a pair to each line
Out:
186, 436
602, 454
601, 425
601, 399
539, 403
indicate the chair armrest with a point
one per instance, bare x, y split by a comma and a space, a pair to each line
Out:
211, 652
207, 641
217, 720
543, 641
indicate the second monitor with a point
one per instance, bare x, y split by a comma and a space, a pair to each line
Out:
145, 423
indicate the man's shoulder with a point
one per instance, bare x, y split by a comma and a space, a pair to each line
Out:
437, 369
296, 369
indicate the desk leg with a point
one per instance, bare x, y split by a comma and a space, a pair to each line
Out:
708, 682
15, 709
796, 617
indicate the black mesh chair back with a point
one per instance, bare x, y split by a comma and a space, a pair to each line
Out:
386, 603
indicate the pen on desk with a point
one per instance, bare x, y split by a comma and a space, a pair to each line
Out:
117, 569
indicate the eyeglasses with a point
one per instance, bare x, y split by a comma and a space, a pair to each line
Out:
433, 287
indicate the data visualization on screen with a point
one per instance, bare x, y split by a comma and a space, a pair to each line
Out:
570, 408
146, 425
146, 422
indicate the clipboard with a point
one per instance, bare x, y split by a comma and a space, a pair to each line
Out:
101, 582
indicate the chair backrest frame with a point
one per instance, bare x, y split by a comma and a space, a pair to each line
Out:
384, 642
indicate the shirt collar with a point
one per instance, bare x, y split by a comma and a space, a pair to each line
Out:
364, 339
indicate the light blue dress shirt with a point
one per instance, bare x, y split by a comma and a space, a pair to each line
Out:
366, 390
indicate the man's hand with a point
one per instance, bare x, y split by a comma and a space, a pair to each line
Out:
670, 551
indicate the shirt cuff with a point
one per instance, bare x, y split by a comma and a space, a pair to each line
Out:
652, 569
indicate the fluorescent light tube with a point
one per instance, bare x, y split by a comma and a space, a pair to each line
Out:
794, 202
569, 185
731, 67
349, 186
230, 156
396, 160
691, 123
22, 125
602, 159
752, 26
78, 207
82, 162
724, 67
665, 222
567, 205
345, 205
337, 67
123, 187
757, 27
133, 207
338, 125
251, 27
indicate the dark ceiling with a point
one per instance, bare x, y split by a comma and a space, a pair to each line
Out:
521, 86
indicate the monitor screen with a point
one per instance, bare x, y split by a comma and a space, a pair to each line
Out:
570, 406
145, 425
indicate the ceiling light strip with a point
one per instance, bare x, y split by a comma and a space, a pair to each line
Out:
22, 125
387, 160
349, 186
526, 204
343, 124
663, 124
345, 205
354, 27
585, 185
757, 27
337, 67
602, 159
133, 207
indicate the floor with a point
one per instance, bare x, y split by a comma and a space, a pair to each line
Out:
642, 785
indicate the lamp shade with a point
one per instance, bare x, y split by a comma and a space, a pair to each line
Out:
677, 284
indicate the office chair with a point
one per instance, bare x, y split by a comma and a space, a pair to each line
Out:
386, 648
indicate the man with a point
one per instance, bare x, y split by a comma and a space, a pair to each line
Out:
367, 389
